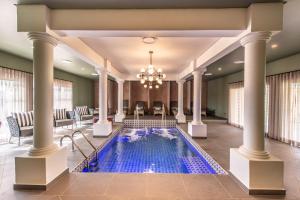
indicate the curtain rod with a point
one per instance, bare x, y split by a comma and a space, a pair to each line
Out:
298, 70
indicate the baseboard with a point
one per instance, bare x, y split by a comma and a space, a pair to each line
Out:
257, 191
39, 187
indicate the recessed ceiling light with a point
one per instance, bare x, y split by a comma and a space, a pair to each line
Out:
208, 74
149, 40
67, 61
220, 69
94, 74
273, 46
238, 62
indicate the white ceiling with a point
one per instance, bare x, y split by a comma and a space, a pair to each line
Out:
17, 43
129, 54
116, 4
288, 41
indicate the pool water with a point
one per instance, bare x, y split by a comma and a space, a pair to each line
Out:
151, 150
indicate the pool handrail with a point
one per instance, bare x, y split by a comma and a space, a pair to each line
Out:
78, 131
76, 145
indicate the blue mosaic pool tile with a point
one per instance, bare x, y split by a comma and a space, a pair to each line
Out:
150, 151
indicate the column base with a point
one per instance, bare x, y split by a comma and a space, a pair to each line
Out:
180, 118
197, 129
259, 176
119, 117
37, 172
102, 128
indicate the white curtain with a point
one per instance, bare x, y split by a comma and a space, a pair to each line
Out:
15, 95
63, 94
284, 107
236, 104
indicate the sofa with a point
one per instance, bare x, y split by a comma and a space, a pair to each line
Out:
82, 113
62, 118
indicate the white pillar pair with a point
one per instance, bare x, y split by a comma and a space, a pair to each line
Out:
197, 128
259, 171
45, 160
120, 114
103, 127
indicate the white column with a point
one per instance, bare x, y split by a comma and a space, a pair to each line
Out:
180, 115
103, 96
120, 115
43, 45
103, 127
251, 164
188, 93
254, 94
45, 160
196, 128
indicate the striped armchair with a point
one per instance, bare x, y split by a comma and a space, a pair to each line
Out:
20, 125
61, 117
82, 113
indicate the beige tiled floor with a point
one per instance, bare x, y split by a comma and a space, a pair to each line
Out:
221, 137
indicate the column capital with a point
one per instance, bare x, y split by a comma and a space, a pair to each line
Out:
120, 81
45, 37
199, 71
181, 81
256, 36
101, 70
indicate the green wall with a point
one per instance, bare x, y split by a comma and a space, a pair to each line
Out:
217, 93
83, 88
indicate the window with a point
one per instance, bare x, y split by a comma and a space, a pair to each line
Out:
236, 104
63, 94
282, 107
15, 96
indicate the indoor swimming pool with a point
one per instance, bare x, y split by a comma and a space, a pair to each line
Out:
152, 150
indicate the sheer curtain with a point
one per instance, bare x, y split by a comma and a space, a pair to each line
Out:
16, 89
236, 104
63, 94
284, 107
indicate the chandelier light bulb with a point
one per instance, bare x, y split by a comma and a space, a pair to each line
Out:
164, 76
150, 86
138, 75
142, 81
143, 70
145, 86
159, 70
150, 78
156, 86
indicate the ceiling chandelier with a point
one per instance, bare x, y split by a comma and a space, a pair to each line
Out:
151, 77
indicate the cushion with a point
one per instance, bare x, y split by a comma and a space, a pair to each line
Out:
26, 131
82, 110
86, 117
24, 118
60, 114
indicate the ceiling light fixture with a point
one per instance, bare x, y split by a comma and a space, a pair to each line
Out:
273, 46
208, 74
150, 75
238, 62
149, 40
220, 69
67, 61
